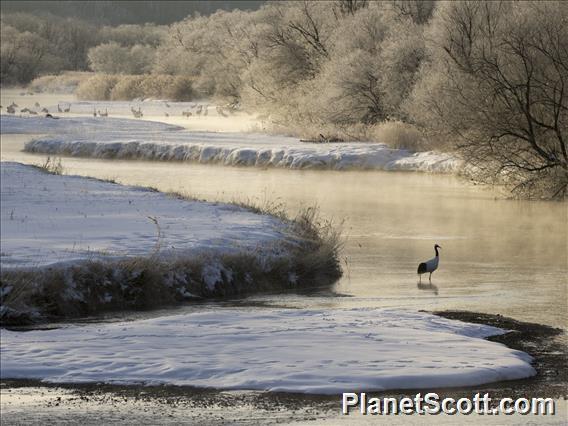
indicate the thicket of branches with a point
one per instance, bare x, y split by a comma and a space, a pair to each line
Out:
32, 45
486, 79
496, 81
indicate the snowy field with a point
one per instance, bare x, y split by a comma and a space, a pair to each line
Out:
47, 219
120, 139
308, 351
81, 125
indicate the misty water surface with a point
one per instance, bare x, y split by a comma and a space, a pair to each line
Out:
498, 256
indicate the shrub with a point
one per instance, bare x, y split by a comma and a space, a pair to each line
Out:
63, 83
52, 166
127, 87
154, 85
97, 88
180, 89
400, 135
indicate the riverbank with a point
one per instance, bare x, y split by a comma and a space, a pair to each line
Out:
547, 345
75, 246
34, 401
115, 138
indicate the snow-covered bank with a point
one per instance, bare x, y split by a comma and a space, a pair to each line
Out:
88, 245
120, 141
278, 350
48, 219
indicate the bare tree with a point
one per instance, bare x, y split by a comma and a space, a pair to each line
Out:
351, 6
420, 11
500, 71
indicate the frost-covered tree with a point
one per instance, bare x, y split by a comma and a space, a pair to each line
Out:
109, 58
419, 11
348, 87
214, 50
46, 44
130, 35
372, 67
496, 84
360, 72
21, 55
294, 40
112, 58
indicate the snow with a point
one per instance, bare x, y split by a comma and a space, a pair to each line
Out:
212, 274
47, 219
121, 139
310, 351
78, 125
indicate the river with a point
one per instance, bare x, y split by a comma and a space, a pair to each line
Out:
498, 256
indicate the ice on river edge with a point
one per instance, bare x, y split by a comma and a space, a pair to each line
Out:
309, 351
129, 139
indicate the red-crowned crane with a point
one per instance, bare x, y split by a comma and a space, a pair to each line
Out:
431, 265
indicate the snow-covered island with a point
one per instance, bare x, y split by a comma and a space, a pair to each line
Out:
292, 350
74, 246
119, 138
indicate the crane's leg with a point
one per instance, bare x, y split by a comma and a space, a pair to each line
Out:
430, 278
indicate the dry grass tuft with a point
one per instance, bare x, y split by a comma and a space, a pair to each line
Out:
52, 166
400, 135
66, 82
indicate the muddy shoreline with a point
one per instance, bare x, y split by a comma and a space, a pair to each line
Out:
93, 402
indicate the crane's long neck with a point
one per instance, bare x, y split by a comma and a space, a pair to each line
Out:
436, 249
